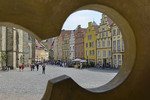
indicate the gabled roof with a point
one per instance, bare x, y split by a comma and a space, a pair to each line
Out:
39, 46
110, 22
96, 29
67, 32
94, 23
80, 30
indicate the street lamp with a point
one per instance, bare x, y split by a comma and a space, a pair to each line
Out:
23, 59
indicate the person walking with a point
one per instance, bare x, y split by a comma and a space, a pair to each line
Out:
22, 67
80, 65
31, 66
43, 68
37, 66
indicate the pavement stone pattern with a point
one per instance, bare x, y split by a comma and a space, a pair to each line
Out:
31, 85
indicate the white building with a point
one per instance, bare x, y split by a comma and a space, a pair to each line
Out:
72, 46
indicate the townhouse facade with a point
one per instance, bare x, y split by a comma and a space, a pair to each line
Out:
79, 42
104, 38
72, 46
65, 45
90, 43
117, 47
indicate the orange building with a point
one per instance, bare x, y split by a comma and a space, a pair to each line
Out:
79, 42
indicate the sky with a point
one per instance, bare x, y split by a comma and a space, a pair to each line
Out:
82, 18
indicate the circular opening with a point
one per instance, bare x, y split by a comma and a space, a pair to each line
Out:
95, 39
130, 46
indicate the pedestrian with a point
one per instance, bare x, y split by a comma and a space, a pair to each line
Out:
22, 67
80, 65
31, 66
37, 66
63, 64
43, 68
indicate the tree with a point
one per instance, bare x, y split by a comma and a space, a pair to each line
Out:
21, 59
3, 58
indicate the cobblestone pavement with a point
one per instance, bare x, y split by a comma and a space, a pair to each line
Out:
31, 85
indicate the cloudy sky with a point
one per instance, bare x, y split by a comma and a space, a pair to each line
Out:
81, 18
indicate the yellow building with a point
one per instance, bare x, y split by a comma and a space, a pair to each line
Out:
65, 44
104, 42
90, 43
117, 46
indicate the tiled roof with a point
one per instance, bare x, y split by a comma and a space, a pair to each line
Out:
94, 23
39, 46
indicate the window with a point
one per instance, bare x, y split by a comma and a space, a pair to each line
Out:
119, 60
118, 44
82, 47
114, 45
108, 43
86, 53
122, 45
73, 47
78, 47
109, 53
93, 52
103, 22
103, 43
103, 35
106, 34
89, 37
118, 32
86, 45
104, 53
98, 44
90, 44
90, 52
103, 29
89, 30
99, 35
93, 44
79, 54
99, 53
70, 48
114, 32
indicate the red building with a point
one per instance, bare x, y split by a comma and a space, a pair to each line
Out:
79, 42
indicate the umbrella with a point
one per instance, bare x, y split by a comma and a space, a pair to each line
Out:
83, 61
77, 60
